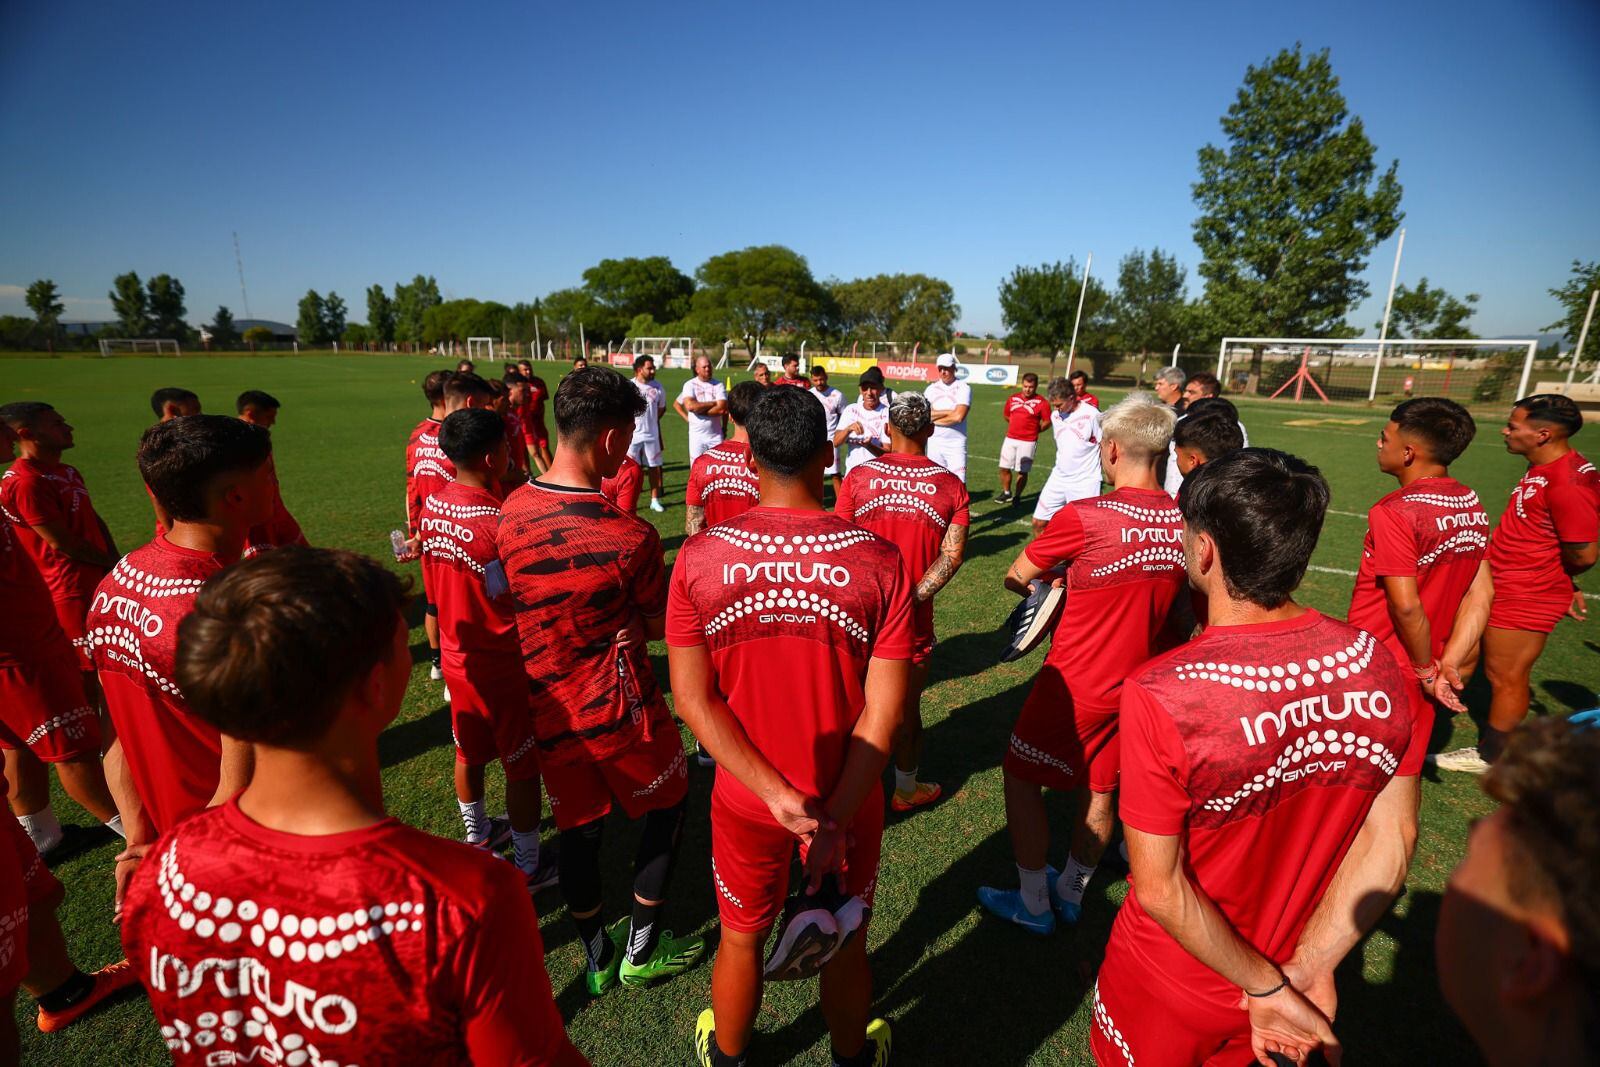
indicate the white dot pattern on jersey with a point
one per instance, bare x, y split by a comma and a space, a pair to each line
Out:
70, 721
431, 466
804, 544
905, 500
445, 548
1461, 541
736, 486
722, 887
147, 585
210, 1027
300, 938
885, 467
13, 927
1154, 554
1025, 751
1310, 746
127, 639
1285, 677
1102, 1019
679, 767
522, 749
11, 516
1136, 511
459, 511
1442, 500
786, 598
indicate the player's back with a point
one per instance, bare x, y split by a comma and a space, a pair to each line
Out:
580, 572
909, 501
28, 621
792, 604
1077, 437
459, 526
33, 493
722, 482
377, 945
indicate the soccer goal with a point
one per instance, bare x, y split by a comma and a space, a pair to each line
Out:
158, 345
480, 348
675, 352
1329, 369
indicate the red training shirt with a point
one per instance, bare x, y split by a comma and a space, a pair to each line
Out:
477, 634
722, 482
1025, 416
28, 624
1554, 502
378, 945
427, 468
622, 488
804, 589
533, 426
515, 446
33, 493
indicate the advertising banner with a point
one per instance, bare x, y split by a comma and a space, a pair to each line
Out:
849, 365
897, 371
621, 359
987, 373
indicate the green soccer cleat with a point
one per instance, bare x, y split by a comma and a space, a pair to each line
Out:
672, 956
879, 1037
600, 982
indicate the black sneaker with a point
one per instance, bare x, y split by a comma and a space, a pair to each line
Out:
807, 939
850, 913
499, 836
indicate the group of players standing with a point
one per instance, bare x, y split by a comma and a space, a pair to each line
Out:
282, 913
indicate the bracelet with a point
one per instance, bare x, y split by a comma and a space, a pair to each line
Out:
1282, 982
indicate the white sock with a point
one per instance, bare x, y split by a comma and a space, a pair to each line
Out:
1074, 880
477, 822
43, 828
1035, 896
525, 845
114, 824
905, 781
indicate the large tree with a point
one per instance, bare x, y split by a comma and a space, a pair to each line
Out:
1149, 311
895, 307
1430, 313
312, 321
632, 287
1291, 205
333, 316
575, 313
1574, 297
44, 300
223, 331
380, 315
130, 305
411, 302
757, 291
167, 310
1038, 306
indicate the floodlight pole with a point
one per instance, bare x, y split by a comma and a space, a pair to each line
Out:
1388, 306
1175, 348
1583, 335
537, 347
1083, 291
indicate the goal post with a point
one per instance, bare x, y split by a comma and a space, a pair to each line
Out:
480, 347
158, 345
1364, 368
674, 352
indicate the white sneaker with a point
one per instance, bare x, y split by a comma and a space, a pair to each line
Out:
1465, 760
434, 673
447, 694
655, 504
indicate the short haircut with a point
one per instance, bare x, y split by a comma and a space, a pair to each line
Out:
790, 358
276, 643
595, 399
1172, 376
787, 430
1076, 376
464, 385
1142, 429
819, 371
1060, 389
170, 395
1264, 509
433, 385
580, 359
1211, 434
874, 372
1212, 405
868, 378
1207, 382
741, 398
1553, 409
255, 398
1443, 425
22, 414
466, 366
911, 413
512, 374
1031, 377
180, 459
639, 361
470, 432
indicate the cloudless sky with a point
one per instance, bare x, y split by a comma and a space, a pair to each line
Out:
505, 147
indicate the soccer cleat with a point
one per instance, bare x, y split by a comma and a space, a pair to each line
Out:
655, 505
1003, 498
1033, 620
1069, 912
850, 916
673, 955
435, 672
925, 793
546, 874
807, 939
498, 838
108, 981
705, 1037
1007, 904
1467, 760
600, 982
881, 1039
702, 757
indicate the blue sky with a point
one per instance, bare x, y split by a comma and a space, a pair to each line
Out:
503, 148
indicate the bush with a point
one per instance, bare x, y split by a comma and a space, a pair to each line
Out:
257, 335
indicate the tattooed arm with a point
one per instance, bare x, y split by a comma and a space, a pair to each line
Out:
694, 520
951, 553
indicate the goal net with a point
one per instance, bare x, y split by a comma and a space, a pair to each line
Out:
1324, 369
481, 348
111, 345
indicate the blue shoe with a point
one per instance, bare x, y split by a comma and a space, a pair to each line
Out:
1069, 912
1007, 904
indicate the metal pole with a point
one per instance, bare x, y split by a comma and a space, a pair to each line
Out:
1527, 370
1388, 305
1583, 335
1083, 291
1222, 358
537, 347
1174, 362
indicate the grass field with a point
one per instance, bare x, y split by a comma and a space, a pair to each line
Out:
959, 987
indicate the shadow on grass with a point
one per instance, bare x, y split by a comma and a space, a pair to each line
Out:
407, 740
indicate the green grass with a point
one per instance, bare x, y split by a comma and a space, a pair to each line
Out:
958, 987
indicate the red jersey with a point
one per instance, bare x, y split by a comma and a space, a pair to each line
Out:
378, 945
580, 571
516, 448
1434, 530
1089, 398
801, 382
532, 414
1125, 555
1263, 747
1554, 502
459, 526
622, 488
722, 482
174, 756
805, 589
1023, 415
280, 531
33, 493
28, 621
427, 468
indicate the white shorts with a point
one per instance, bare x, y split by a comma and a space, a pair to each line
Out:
646, 454
949, 454
1058, 493
699, 446
1017, 455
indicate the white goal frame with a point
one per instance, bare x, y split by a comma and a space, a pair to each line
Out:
157, 345
675, 352
1379, 346
474, 342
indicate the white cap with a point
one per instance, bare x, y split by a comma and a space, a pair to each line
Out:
946, 359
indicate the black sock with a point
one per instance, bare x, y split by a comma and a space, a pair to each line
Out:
644, 932
720, 1058
68, 993
1492, 743
860, 1059
596, 945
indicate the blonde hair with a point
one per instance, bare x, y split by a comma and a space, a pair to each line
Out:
1140, 426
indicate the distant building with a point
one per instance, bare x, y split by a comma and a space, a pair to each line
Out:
281, 331
84, 329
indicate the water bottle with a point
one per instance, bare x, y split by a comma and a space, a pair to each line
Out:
397, 541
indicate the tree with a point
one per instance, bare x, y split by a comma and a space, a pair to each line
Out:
166, 306
257, 335
632, 287
411, 302
333, 314
757, 291
1289, 209
1149, 311
44, 300
380, 315
1038, 306
1429, 313
130, 305
565, 310
357, 335
895, 307
312, 321
222, 329
1574, 297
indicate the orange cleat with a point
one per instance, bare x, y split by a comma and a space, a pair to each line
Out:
926, 793
108, 981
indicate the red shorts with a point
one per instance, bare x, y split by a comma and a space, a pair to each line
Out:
43, 707
650, 776
491, 720
1139, 1020
922, 633
540, 436
1538, 613
1054, 743
751, 855
73, 615
24, 881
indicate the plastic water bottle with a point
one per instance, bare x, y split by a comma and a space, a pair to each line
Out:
397, 541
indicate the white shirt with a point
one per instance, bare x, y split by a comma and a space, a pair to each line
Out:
704, 427
942, 397
832, 401
1077, 448
647, 424
874, 426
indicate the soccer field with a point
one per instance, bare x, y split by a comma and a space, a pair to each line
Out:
959, 986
